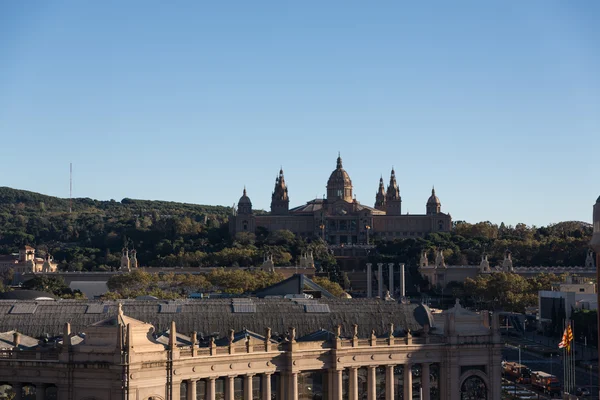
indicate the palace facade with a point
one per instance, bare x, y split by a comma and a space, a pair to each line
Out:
339, 218
247, 349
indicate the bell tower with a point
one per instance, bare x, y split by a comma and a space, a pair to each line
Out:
280, 201
392, 197
380, 196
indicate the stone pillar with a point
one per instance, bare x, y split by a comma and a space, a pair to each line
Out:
211, 389
247, 387
408, 381
191, 390
40, 391
330, 374
380, 280
353, 378
389, 382
338, 385
230, 388
425, 381
293, 386
266, 386
175, 389
372, 383
391, 284
402, 281
18, 389
369, 281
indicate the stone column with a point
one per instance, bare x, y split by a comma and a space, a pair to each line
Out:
353, 378
338, 385
391, 284
389, 382
247, 387
372, 383
408, 381
40, 391
293, 386
18, 389
402, 281
175, 389
330, 374
369, 281
191, 389
266, 386
380, 280
230, 388
211, 389
425, 381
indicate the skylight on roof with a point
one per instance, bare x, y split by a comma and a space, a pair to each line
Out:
316, 308
169, 308
26, 308
96, 309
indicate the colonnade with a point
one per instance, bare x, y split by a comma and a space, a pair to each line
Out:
288, 385
401, 288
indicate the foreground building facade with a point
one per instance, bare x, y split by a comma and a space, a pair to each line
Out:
339, 218
397, 352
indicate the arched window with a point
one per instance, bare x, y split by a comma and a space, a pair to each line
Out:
473, 388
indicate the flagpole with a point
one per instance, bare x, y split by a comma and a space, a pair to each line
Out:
574, 356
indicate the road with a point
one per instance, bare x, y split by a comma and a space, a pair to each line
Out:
553, 366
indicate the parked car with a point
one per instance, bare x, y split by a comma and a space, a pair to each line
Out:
583, 392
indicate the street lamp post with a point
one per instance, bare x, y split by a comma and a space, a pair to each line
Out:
367, 227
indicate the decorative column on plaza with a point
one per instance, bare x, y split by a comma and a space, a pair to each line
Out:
389, 382
372, 383
247, 387
380, 280
425, 384
266, 386
211, 389
402, 281
353, 378
408, 381
369, 281
391, 284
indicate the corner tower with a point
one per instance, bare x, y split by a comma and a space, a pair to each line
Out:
245, 220
433, 204
339, 185
280, 202
392, 197
380, 196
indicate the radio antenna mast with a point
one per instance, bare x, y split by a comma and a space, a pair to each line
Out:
70, 187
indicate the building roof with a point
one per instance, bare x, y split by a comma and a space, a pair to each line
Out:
295, 284
7, 340
21, 294
213, 316
309, 208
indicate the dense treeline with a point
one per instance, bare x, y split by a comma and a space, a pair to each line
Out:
168, 234
173, 286
562, 244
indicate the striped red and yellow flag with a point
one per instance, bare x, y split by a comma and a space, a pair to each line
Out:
567, 338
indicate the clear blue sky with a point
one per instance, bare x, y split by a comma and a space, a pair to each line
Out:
496, 103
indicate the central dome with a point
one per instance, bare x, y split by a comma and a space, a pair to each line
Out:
339, 185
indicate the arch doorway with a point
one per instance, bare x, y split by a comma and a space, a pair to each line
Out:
473, 388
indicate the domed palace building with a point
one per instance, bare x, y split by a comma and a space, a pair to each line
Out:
339, 218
